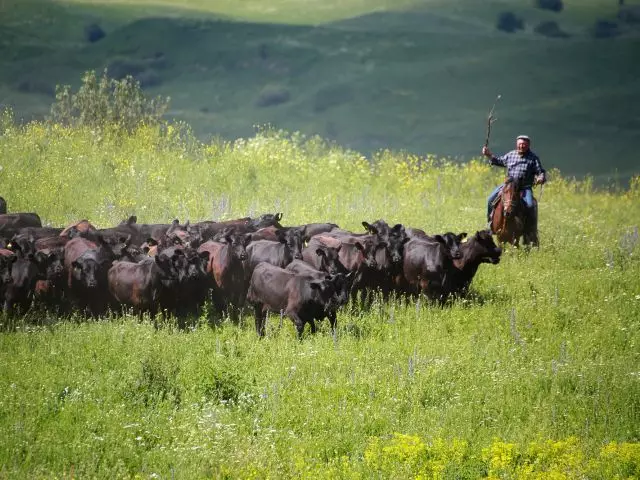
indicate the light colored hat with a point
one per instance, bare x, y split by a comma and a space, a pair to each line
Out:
523, 137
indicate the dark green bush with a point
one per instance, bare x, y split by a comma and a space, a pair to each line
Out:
104, 101
509, 22
605, 29
553, 5
93, 32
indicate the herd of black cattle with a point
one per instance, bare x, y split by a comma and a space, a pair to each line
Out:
305, 272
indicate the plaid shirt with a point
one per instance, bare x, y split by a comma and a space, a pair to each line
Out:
521, 168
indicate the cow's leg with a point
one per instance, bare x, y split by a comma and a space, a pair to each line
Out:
299, 323
332, 321
260, 319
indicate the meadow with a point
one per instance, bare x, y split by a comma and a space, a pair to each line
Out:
536, 374
414, 75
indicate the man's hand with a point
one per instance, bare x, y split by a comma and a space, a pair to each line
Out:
486, 152
540, 179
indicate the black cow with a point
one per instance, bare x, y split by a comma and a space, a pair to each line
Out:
301, 298
11, 223
86, 264
451, 241
342, 282
476, 250
279, 253
25, 273
426, 265
147, 286
49, 292
193, 281
323, 258
366, 255
7, 257
209, 229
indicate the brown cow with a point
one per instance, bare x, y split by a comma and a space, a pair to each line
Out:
226, 267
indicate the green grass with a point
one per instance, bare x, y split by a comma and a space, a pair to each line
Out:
414, 76
534, 375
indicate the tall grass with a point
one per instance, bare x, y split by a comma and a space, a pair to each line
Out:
535, 374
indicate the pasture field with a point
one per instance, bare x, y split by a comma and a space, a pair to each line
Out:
535, 375
418, 75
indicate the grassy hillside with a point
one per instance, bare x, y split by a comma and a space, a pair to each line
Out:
535, 375
414, 75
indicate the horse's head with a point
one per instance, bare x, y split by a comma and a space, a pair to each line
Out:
510, 196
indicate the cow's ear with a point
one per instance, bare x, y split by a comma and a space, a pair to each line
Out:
321, 253
246, 240
398, 228
175, 223
152, 242
278, 216
132, 219
439, 239
367, 226
461, 236
204, 255
359, 246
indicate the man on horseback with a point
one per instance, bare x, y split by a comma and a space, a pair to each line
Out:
525, 168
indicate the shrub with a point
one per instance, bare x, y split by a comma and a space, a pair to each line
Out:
104, 101
630, 14
509, 22
93, 32
550, 29
553, 5
273, 95
605, 29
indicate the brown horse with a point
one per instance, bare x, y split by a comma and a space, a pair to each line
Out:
509, 219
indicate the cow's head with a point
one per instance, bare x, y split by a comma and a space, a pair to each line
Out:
238, 244
484, 248
86, 271
52, 263
369, 248
330, 260
293, 239
266, 220
451, 242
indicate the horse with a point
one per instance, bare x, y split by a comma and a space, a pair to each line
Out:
509, 220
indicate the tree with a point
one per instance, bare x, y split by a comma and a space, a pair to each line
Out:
104, 101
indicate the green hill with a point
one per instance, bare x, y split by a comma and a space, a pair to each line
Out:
419, 78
